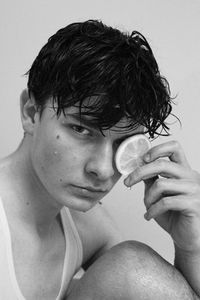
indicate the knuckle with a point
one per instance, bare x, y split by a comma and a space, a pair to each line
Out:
159, 183
193, 204
165, 202
161, 163
196, 176
137, 173
196, 203
195, 188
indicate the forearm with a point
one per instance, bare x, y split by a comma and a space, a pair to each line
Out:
189, 266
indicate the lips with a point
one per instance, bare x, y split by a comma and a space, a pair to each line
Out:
91, 189
88, 192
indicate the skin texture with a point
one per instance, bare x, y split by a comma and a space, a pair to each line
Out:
57, 157
131, 271
77, 149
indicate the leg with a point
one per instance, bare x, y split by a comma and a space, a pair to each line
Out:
131, 271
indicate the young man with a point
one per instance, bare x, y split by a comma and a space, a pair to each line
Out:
90, 87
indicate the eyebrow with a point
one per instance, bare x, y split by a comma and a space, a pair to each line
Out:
85, 121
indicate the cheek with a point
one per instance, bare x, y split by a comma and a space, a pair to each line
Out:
45, 156
59, 160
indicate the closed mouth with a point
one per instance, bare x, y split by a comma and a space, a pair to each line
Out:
91, 189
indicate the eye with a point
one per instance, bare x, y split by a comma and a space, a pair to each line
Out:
81, 130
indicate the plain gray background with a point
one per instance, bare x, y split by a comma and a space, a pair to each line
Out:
172, 28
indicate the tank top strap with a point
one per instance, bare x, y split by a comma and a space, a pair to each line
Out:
74, 251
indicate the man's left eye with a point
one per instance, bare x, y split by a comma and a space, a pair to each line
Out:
81, 130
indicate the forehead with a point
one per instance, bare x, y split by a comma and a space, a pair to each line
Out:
120, 128
72, 113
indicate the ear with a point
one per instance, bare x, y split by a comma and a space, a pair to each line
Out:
28, 111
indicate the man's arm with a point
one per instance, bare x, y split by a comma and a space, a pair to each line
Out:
172, 199
189, 265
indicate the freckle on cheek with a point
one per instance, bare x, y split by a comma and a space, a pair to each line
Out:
57, 137
61, 180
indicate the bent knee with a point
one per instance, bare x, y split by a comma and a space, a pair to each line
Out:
133, 270
149, 276
134, 253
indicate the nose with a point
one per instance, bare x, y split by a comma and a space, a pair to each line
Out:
101, 162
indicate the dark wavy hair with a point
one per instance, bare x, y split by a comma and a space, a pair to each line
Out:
115, 70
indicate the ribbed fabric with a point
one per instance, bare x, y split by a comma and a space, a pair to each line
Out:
9, 288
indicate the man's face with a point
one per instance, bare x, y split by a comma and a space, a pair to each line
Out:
73, 160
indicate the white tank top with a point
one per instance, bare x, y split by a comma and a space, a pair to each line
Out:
9, 288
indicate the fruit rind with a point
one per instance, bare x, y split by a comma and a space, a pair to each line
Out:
137, 160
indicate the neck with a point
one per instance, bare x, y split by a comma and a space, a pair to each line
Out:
32, 203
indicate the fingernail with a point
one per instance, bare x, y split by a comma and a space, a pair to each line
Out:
146, 216
127, 181
147, 157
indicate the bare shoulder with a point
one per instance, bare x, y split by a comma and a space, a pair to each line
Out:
5, 177
98, 232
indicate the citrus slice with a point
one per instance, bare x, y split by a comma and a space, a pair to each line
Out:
130, 153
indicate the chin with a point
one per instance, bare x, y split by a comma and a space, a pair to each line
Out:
79, 204
84, 207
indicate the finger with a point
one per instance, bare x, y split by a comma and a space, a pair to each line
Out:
159, 167
172, 150
181, 203
149, 182
169, 187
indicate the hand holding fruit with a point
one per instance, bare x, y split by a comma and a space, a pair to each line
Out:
172, 193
